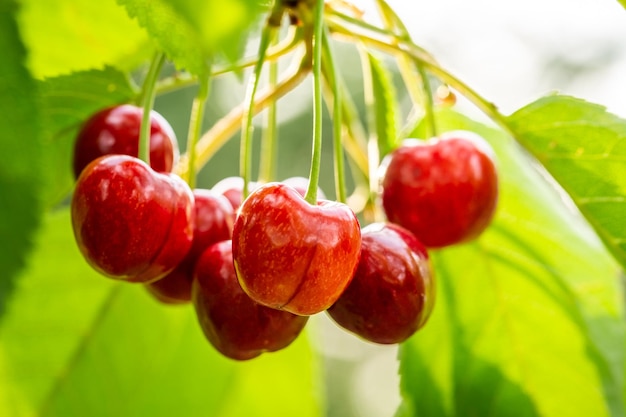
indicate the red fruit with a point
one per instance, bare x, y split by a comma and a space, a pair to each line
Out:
130, 222
235, 325
291, 255
213, 223
443, 190
115, 130
392, 293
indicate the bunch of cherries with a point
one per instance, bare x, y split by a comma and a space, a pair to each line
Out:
256, 269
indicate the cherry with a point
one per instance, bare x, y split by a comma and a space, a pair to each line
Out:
392, 293
233, 323
291, 255
115, 130
444, 190
131, 222
213, 223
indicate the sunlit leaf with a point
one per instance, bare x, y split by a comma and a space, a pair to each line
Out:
384, 96
584, 149
64, 36
20, 147
66, 102
528, 320
191, 32
77, 344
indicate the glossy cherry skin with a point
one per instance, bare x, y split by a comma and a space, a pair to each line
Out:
392, 293
130, 222
115, 130
213, 223
291, 255
444, 190
237, 326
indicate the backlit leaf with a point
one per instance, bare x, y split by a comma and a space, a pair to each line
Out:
584, 148
20, 147
191, 32
77, 344
528, 319
65, 36
385, 100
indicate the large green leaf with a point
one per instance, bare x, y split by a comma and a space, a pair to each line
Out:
64, 36
528, 319
584, 149
20, 147
66, 102
191, 32
77, 344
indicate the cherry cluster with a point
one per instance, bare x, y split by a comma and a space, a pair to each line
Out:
255, 270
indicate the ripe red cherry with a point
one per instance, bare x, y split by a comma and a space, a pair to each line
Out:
291, 255
444, 190
115, 130
213, 223
130, 222
392, 293
235, 325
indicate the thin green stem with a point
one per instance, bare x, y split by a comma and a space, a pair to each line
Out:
340, 176
148, 93
269, 145
195, 128
245, 153
415, 53
395, 25
316, 158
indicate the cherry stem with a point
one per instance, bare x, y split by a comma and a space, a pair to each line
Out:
149, 93
195, 128
269, 145
340, 176
245, 162
395, 25
417, 54
316, 157
422, 99
213, 139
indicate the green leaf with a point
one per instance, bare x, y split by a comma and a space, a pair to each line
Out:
583, 147
20, 149
77, 344
66, 102
623, 3
384, 100
64, 36
528, 319
191, 32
